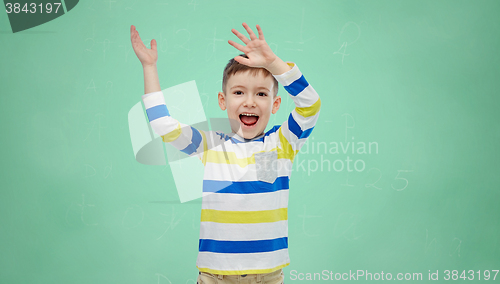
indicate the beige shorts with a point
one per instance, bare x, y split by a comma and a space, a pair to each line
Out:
275, 277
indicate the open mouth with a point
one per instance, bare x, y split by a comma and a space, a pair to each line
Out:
249, 119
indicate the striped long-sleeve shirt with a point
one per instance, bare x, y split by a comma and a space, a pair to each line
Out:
244, 221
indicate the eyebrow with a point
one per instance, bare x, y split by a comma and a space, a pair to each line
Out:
243, 87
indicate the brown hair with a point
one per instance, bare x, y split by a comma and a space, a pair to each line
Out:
234, 67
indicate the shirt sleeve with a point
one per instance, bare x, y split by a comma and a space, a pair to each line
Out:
186, 138
294, 131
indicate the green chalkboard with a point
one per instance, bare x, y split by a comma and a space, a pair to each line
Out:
399, 176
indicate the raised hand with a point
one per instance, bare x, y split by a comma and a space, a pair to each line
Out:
146, 56
258, 51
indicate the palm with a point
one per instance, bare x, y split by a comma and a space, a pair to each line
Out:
258, 53
146, 56
257, 50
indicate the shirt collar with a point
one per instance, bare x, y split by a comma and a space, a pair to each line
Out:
241, 139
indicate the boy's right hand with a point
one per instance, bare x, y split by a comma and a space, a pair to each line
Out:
146, 56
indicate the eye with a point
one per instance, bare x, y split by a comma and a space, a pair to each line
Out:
264, 94
237, 92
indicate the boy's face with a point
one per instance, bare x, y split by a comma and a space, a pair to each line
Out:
249, 94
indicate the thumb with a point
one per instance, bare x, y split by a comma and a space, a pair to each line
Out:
242, 60
153, 45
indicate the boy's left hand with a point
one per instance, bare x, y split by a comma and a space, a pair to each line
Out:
258, 51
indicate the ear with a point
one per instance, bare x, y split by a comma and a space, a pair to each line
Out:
276, 104
222, 101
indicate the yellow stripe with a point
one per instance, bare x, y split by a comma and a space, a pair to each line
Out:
242, 272
309, 111
172, 135
204, 159
218, 157
286, 151
244, 217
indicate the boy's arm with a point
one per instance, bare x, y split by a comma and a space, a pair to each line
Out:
183, 137
151, 82
186, 138
293, 132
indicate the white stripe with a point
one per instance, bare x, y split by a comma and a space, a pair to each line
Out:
254, 145
242, 261
246, 202
243, 232
164, 125
233, 172
203, 194
306, 98
289, 77
153, 99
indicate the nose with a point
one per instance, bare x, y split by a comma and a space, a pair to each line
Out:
249, 101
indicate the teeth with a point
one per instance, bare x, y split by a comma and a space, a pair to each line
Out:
249, 114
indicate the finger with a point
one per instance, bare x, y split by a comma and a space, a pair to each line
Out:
261, 34
133, 35
153, 45
132, 29
243, 60
250, 32
237, 46
241, 36
137, 41
133, 32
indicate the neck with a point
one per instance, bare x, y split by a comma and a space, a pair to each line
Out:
249, 138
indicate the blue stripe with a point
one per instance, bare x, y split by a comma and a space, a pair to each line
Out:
297, 86
157, 112
272, 130
295, 128
195, 142
245, 187
243, 246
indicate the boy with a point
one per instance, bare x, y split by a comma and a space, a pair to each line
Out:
244, 227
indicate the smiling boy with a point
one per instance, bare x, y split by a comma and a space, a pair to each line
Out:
249, 96
244, 221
